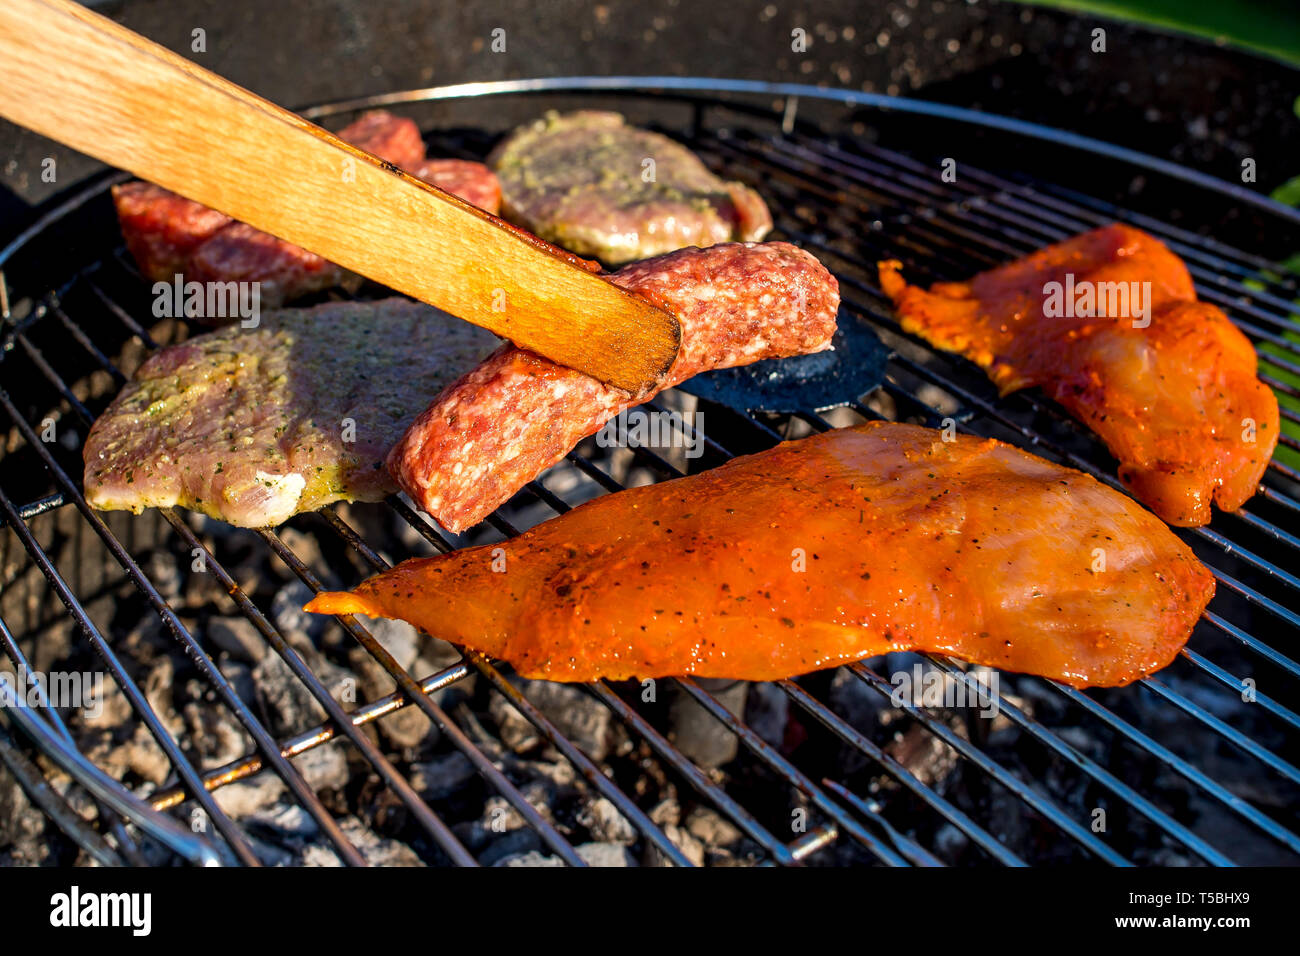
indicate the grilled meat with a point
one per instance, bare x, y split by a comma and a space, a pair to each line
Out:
845, 545
283, 271
518, 413
1168, 383
472, 182
169, 235
590, 183
254, 425
162, 229
389, 137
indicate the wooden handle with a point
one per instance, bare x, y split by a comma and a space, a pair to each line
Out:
82, 79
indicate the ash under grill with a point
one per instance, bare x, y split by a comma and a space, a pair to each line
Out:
221, 691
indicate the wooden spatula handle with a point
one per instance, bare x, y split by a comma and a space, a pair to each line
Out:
90, 83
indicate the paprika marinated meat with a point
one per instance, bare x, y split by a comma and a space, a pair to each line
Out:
845, 545
1108, 325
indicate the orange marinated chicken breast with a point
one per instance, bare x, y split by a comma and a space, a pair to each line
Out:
849, 544
1167, 382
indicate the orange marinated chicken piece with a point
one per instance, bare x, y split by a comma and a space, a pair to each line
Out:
1167, 382
841, 546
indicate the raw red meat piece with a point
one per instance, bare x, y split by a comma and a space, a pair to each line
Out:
517, 414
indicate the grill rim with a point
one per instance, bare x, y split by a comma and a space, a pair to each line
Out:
657, 86
652, 85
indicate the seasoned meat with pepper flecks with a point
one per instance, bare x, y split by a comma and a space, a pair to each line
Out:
968, 547
253, 425
590, 183
1169, 384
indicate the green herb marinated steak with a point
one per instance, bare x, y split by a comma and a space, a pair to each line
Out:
590, 183
253, 425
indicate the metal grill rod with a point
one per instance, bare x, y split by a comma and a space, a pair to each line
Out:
1185, 769
761, 747
1237, 685
126, 846
1054, 743
580, 761
913, 851
292, 778
696, 777
795, 777
1234, 736
485, 767
130, 690
165, 830
42, 795
1044, 805
1103, 776
300, 743
980, 836
339, 720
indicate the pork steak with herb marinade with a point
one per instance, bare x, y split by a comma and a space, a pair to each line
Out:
596, 186
254, 425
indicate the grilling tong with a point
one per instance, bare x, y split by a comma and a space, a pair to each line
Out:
79, 78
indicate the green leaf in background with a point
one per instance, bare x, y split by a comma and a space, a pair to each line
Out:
1271, 27
1289, 193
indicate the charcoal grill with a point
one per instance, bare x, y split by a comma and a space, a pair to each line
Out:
1181, 769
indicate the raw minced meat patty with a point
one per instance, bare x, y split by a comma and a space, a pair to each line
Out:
170, 235
582, 181
496, 429
255, 425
